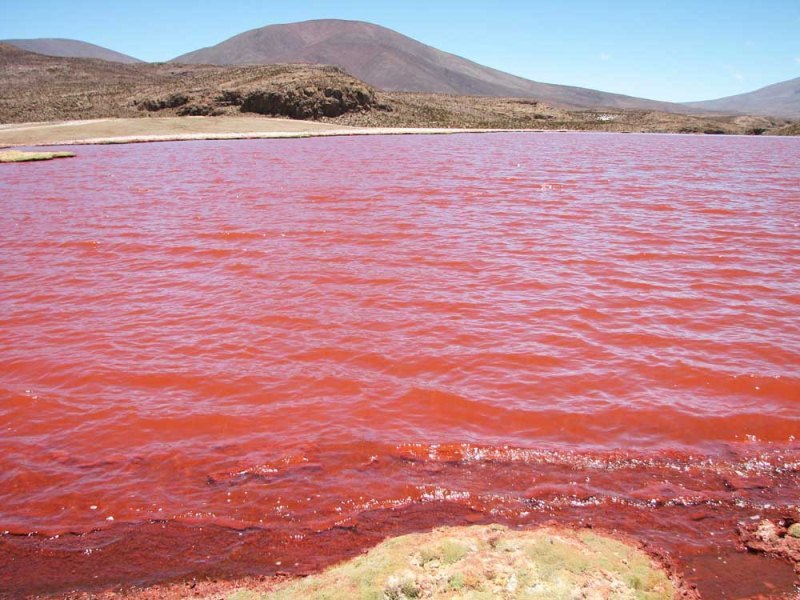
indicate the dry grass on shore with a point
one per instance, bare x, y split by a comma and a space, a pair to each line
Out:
15, 156
479, 562
487, 562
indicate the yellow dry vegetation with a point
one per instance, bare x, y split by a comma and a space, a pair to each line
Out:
487, 562
14, 156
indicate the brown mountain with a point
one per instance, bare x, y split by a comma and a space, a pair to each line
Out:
70, 48
394, 62
35, 87
776, 100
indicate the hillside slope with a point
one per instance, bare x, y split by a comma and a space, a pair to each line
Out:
776, 100
70, 48
394, 62
35, 87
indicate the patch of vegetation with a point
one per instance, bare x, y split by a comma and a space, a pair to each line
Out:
487, 562
456, 581
12, 156
453, 551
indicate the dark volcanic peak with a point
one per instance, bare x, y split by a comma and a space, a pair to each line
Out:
776, 100
394, 62
70, 49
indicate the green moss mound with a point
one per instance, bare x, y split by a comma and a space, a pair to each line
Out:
487, 562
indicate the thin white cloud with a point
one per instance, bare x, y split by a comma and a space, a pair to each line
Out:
736, 74
797, 60
604, 56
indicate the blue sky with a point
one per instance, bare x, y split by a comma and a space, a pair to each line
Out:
674, 50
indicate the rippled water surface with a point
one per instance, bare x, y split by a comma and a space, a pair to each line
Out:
288, 334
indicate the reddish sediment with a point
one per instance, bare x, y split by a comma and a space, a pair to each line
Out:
691, 523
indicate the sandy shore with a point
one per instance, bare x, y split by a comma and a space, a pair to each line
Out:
120, 131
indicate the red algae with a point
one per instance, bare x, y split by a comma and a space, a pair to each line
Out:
244, 358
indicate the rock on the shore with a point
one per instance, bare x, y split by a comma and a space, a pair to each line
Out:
294, 91
171, 101
309, 102
773, 539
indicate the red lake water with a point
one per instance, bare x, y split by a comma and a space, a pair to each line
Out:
251, 357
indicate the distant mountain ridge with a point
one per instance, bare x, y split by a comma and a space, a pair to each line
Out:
70, 49
391, 61
778, 100
394, 62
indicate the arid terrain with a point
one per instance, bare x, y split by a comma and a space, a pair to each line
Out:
70, 48
781, 99
392, 61
39, 88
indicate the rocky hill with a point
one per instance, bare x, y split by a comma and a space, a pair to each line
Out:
34, 87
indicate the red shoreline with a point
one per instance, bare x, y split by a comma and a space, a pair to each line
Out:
687, 510
161, 553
